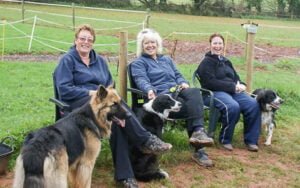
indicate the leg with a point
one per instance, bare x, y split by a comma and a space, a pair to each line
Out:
270, 128
252, 117
230, 114
120, 154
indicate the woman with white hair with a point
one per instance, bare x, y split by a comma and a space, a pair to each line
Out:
156, 74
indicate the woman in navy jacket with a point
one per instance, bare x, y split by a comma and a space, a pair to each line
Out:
217, 74
78, 74
155, 74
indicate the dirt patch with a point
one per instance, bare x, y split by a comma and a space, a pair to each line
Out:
185, 52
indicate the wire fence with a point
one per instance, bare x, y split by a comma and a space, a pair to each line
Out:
174, 42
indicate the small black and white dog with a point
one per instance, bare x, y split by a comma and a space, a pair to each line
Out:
152, 116
269, 102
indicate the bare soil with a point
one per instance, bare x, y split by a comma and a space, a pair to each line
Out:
188, 52
232, 169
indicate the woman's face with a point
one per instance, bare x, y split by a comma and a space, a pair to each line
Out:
150, 47
84, 42
217, 46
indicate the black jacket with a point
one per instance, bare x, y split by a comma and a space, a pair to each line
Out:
217, 74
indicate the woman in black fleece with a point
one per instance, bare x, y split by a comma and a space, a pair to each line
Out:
217, 73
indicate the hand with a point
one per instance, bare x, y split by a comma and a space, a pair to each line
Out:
240, 87
151, 94
184, 85
92, 92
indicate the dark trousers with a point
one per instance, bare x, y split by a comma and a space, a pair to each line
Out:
121, 137
192, 109
230, 107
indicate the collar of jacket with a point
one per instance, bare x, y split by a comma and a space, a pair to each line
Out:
92, 55
149, 56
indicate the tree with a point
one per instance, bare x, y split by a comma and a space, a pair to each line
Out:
198, 4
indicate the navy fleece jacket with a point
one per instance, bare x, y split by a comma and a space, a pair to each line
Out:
218, 74
158, 74
74, 79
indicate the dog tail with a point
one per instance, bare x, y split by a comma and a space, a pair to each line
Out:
33, 156
33, 163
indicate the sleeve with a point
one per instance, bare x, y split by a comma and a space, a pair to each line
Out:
178, 76
209, 80
64, 80
139, 75
105, 70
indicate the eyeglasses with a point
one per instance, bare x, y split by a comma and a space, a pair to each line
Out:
85, 39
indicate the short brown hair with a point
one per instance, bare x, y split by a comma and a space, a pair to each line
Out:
86, 27
216, 35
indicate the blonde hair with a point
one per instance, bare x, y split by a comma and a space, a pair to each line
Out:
149, 34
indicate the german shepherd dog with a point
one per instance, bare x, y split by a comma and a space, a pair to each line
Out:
67, 150
152, 116
269, 103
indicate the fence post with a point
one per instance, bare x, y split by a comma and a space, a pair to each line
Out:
123, 65
73, 16
251, 31
3, 35
32, 32
23, 11
147, 18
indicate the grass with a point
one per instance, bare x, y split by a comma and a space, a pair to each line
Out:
59, 35
24, 105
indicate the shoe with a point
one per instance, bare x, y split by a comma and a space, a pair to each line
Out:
227, 147
154, 145
128, 183
200, 138
201, 158
252, 147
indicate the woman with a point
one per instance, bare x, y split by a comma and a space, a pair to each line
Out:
217, 74
78, 74
155, 74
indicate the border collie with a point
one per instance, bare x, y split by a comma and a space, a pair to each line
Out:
152, 116
269, 102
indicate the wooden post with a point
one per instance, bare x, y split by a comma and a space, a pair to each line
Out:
73, 16
251, 31
23, 11
123, 65
148, 18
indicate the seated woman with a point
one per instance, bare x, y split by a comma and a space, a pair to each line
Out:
216, 73
79, 73
155, 74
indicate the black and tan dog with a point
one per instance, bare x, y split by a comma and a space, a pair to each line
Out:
269, 103
67, 150
152, 116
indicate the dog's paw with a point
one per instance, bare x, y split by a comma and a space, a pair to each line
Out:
267, 143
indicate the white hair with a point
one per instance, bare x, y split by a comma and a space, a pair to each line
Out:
149, 34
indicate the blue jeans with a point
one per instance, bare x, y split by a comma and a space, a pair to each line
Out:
230, 107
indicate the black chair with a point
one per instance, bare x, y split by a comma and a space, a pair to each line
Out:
138, 98
61, 108
214, 113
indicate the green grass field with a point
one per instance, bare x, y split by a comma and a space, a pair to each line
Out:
24, 106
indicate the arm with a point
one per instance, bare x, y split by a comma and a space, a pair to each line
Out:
64, 80
139, 75
178, 76
209, 79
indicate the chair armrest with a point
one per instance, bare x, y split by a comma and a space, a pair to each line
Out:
60, 104
137, 91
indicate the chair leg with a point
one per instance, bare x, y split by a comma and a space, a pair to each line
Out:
214, 115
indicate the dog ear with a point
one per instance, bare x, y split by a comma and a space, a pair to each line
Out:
112, 85
102, 92
260, 95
